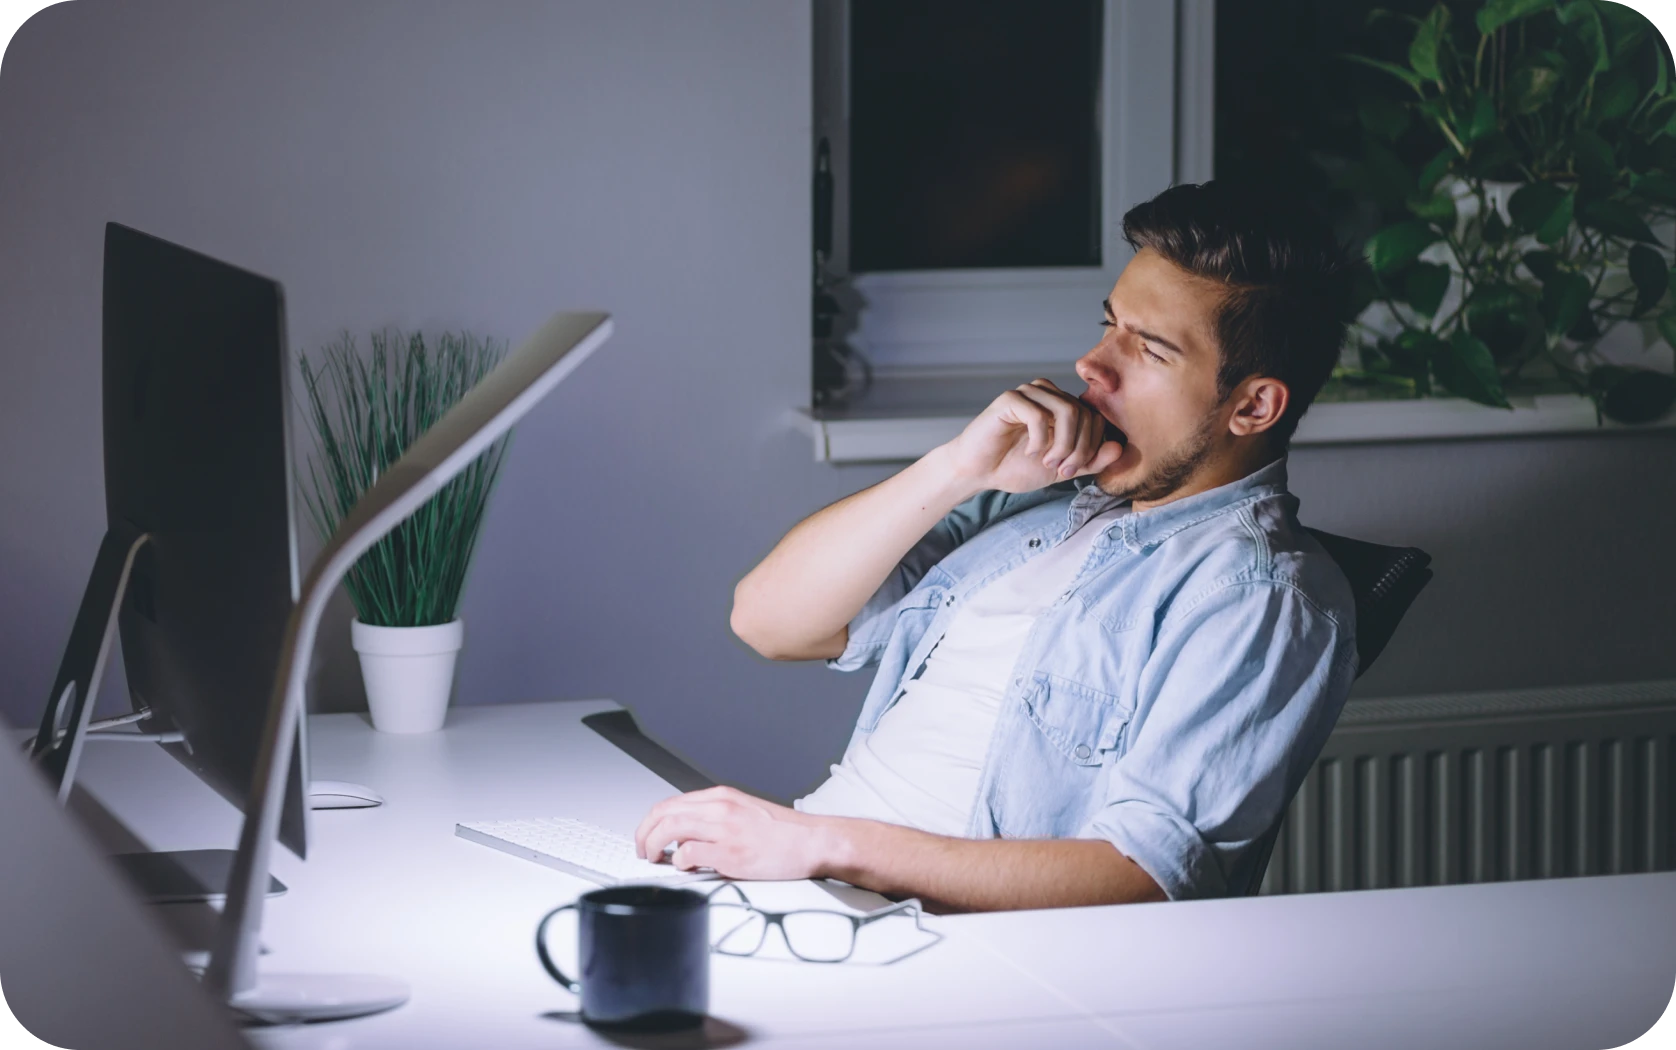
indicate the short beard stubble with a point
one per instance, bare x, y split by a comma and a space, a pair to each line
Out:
1174, 468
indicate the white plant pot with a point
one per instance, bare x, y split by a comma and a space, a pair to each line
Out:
409, 673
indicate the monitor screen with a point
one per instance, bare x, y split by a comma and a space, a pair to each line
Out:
197, 455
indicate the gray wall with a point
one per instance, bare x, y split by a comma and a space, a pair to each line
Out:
480, 166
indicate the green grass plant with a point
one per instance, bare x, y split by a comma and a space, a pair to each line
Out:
366, 411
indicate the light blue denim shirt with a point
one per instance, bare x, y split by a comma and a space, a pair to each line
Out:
1172, 699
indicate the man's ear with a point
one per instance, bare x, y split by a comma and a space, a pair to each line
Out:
1259, 402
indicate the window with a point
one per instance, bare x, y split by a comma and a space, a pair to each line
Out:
982, 155
974, 134
920, 101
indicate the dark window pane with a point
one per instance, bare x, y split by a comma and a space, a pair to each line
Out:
973, 134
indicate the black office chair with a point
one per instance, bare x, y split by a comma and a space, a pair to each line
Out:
1384, 582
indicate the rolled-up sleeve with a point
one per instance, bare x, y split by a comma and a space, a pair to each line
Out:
1232, 708
870, 629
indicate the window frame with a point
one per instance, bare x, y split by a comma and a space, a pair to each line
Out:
1157, 70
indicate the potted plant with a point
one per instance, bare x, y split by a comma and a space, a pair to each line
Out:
366, 411
1533, 229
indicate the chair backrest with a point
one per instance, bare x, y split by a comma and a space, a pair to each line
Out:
1265, 850
1383, 582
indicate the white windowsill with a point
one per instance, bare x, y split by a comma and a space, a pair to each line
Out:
901, 419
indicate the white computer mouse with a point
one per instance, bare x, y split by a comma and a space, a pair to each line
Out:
340, 794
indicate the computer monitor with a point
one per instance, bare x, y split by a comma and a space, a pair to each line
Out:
199, 564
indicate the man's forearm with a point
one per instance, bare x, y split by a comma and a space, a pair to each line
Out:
957, 874
821, 574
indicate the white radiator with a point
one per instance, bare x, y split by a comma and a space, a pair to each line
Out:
1481, 787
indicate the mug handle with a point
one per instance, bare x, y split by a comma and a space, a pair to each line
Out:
547, 963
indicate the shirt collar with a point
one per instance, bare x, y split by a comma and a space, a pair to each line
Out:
1148, 528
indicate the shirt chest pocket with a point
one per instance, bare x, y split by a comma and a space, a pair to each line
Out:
1082, 724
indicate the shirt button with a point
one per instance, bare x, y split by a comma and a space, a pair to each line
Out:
1036, 542
950, 601
1082, 751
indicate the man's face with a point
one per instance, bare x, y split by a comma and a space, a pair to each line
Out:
1153, 377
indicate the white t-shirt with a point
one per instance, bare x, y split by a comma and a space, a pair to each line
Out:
920, 766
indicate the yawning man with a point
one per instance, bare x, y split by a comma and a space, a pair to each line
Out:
1107, 652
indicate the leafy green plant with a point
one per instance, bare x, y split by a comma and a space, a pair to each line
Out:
1529, 234
366, 411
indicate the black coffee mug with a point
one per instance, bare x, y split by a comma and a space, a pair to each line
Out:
643, 953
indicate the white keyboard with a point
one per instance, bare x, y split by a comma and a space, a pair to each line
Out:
577, 847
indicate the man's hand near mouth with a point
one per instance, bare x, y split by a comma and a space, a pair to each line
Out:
827, 567
1031, 437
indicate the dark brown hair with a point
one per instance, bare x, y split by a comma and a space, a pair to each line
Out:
1288, 282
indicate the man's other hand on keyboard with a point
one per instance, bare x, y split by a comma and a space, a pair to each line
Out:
738, 835
742, 837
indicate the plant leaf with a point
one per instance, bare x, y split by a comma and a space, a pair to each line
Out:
1435, 169
1483, 120
1626, 27
1637, 395
1422, 53
1615, 96
1618, 219
1558, 224
1651, 275
1412, 354
1425, 287
1464, 367
1489, 155
1564, 298
1383, 117
1407, 76
1530, 86
1596, 164
1585, 329
1497, 13
1584, 20
1504, 318
1438, 207
1396, 246
1380, 14
1667, 327
1657, 186
1533, 203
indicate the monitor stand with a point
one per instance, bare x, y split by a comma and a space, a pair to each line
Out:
56, 749
182, 876
162, 878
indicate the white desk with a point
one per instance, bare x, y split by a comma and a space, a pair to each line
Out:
1564, 963
1556, 963
392, 890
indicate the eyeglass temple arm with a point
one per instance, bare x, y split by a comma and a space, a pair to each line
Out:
889, 910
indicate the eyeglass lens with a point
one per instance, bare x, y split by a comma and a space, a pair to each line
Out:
818, 936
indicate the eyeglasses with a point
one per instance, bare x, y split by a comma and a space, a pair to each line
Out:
737, 927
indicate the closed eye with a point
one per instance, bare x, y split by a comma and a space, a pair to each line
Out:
1144, 348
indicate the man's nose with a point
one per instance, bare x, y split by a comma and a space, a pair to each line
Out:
1094, 372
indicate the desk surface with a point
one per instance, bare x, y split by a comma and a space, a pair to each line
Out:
391, 890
